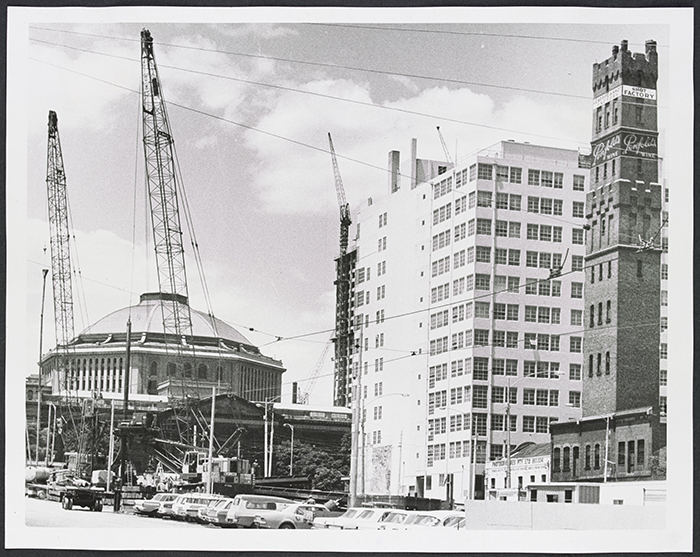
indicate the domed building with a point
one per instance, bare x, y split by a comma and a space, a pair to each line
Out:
162, 366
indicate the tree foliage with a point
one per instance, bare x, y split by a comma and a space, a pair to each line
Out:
325, 467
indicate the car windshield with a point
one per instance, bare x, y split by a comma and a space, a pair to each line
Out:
427, 520
395, 518
365, 515
452, 520
349, 513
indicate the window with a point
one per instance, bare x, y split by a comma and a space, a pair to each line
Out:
501, 228
591, 315
566, 459
577, 263
577, 236
499, 311
515, 202
578, 209
577, 290
557, 234
483, 198
558, 207
481, 337
575, 399
542, 397
502, 201
579, 182
483, 226
574, 372
532, 231
528, 424
533, 177
531, 258
545, 260
481, 310
483, 254
529, 397
546, 206
576, 317
514, 257
575, 344
511, 339
516, 175
533, 204
608, 311
480, 397
663, 352
485, 171
621, 453
556, 460
542, 424
483, 282
530, 314
512, 312
664, 297
498, 367
514, 230
640, 453
546, 179
664, 271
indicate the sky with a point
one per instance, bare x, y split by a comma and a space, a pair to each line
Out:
250, 106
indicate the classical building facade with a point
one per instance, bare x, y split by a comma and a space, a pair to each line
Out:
214, 355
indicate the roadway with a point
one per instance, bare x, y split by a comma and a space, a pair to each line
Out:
50, 514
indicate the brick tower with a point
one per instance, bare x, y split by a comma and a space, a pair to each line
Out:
623, 247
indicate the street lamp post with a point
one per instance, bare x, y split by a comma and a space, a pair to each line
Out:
291, 450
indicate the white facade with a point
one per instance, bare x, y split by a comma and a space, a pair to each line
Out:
453, 293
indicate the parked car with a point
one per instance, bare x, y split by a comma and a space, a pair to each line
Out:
245, 507
322, 522
216, 512
186, 506
393, 520
295, 516
365, 519
156, 506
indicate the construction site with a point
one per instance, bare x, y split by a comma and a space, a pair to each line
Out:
159, 396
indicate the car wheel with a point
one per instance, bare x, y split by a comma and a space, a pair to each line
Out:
67, 503
98, 506
287, 526
41, 494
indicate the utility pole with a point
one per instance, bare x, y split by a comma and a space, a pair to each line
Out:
210, 481
41, 349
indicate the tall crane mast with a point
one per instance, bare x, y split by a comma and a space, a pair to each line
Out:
448, 158
344, 263
60, 251
161, 175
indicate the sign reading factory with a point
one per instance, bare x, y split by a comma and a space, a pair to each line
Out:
627, 91
627, 144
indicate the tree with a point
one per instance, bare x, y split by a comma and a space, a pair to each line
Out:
324, 466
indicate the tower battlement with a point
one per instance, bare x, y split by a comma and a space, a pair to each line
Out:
639, 69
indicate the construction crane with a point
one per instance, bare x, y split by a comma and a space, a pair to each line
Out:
316, 372
60, 254
444, 146
162, 180
344, 264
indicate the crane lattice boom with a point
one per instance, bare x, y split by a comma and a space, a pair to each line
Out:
161, 176
60, 249
345, 220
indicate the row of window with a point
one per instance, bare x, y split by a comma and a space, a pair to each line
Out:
501, 339
630, 455
480, 281
499, 366
592, 313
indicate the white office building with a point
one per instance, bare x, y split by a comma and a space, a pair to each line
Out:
468, 281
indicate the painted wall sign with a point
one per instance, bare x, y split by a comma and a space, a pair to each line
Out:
627, 144
607, 97
639, 92
606, 149
585, 161
639, 145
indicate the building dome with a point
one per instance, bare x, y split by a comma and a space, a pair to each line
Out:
147, 318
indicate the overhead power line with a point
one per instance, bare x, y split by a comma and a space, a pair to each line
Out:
326, 65
408, 29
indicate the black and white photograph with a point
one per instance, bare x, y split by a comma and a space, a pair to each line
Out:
408, 279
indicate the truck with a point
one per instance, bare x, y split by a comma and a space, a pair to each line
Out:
63, 485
